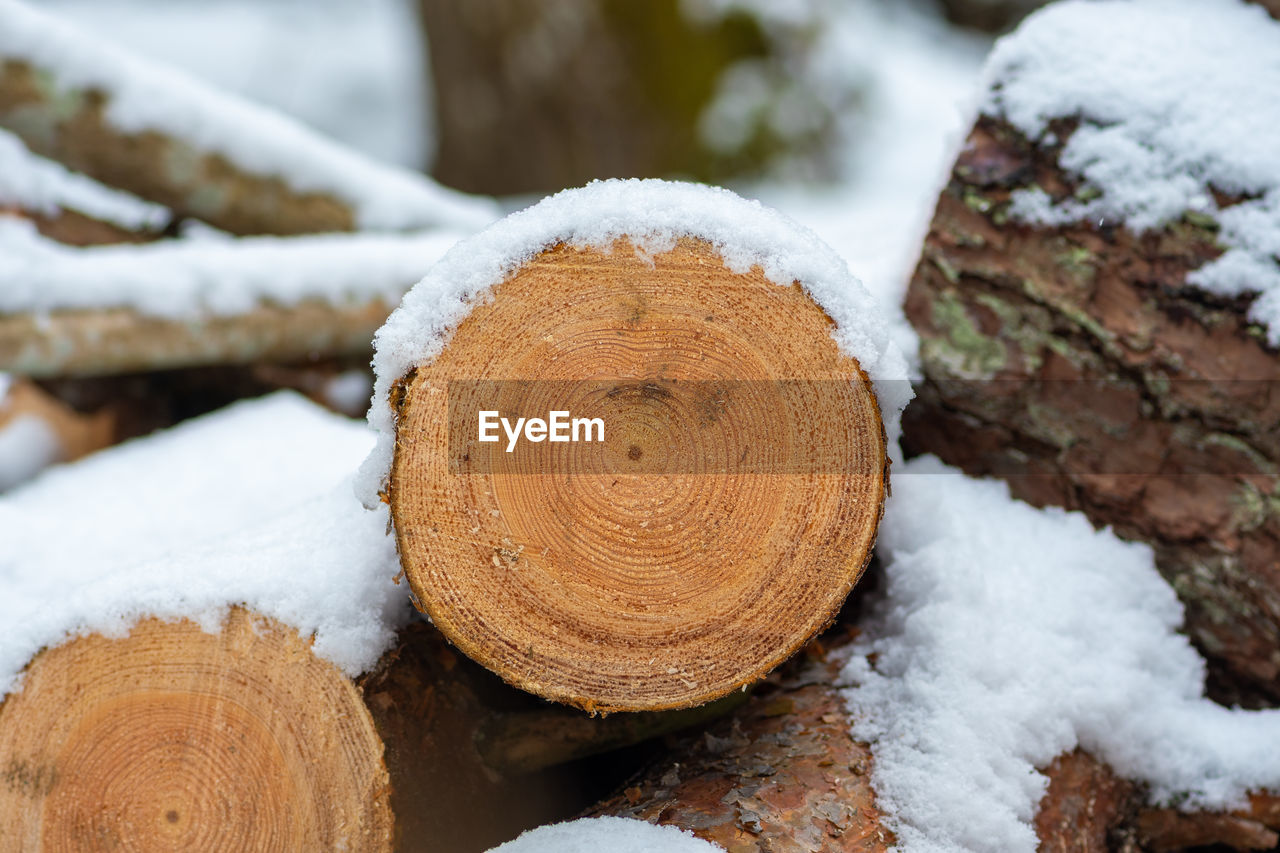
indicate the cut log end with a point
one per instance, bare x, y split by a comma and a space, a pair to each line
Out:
719, 524
173, 738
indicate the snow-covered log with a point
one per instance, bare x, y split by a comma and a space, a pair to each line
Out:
727, 503
783, 773
149, 129
200, 300
71, 208
1099, 300
217, 647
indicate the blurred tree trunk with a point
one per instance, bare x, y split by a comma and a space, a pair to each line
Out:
534, 97
992, 16
1272, 7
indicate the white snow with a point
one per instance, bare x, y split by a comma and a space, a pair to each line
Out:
41, 186
1009, 635
607, 835
210, 274
28, 445
1175, 97
653, 214
348, 392
145, 95
354, 70
250, 505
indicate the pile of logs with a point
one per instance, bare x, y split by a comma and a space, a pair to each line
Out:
703, 622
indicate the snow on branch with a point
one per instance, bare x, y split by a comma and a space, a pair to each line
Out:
149, 129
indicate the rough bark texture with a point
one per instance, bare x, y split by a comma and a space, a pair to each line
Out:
1084, 806
67, 123
1088, 809
782, 774
1077, 363
534, 97
120, 340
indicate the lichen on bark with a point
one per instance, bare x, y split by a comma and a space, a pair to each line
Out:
1077, 362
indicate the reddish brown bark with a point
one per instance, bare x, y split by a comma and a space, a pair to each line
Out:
1084, 805
782, 774
1079, 364
1088, 809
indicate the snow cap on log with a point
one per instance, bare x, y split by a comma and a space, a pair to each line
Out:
723, 514
1176, 107
653, 215
68, 310
250, 505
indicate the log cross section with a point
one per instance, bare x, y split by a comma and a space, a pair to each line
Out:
707, 537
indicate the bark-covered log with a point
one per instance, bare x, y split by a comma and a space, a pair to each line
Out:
122, 340
715, 524
140, 126
1089, 809
244, 739
1079, 363
69, 124
1085, 808
781, 774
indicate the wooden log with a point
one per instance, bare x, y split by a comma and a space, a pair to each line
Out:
123, 340
184, 303
1089, 809
157, 167
140, 126
781, 774
173, 737
1078, 363
718, 526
